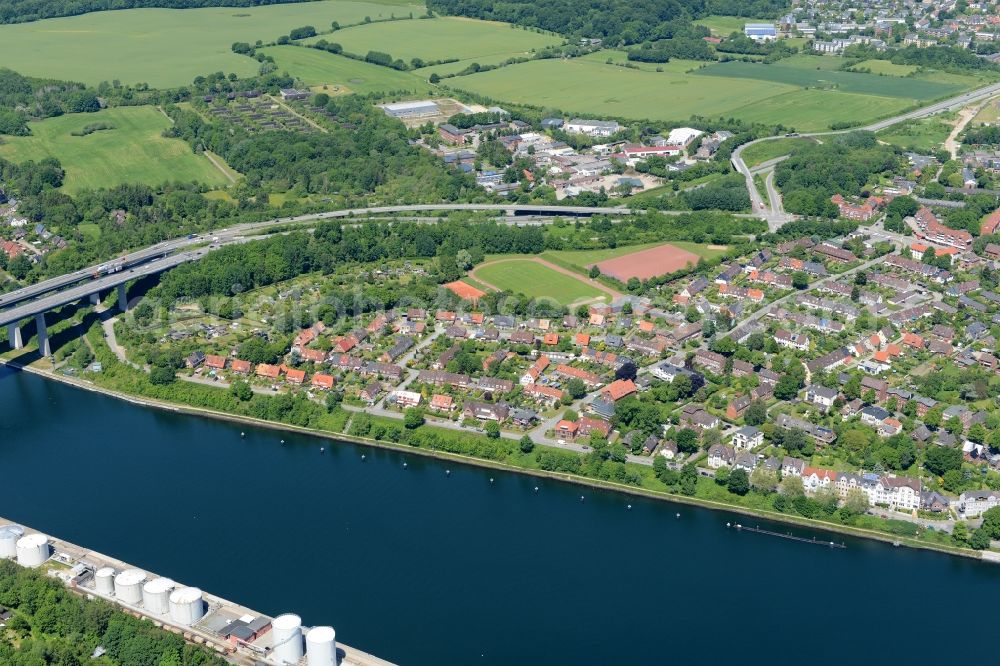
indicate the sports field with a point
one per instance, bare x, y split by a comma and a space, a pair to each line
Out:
319, 68
441, 38
464, 290
166, 47
652, 262
134, 151
795, 95
535, 280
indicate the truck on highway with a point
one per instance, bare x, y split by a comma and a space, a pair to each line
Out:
108, 269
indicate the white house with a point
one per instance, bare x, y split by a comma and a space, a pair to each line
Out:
972, 503
406, 398
814, 478
820, 395
720, 455
748, 438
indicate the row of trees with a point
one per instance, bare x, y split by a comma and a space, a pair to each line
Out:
23, 11
615, 21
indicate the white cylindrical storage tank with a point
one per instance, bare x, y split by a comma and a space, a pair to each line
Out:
321, 646
155, 595
186, 605
9, 534
287, 630
32, 550
104, 580
128, 586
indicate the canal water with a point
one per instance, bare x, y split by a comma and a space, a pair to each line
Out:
427, 568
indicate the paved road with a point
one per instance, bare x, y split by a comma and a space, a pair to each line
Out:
775, 219
763, 311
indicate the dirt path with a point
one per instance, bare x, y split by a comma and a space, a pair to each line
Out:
297, 114
951, 144
218, 165
538, 260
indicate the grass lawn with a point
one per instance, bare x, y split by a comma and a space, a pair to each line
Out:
990, 113
885, 67
536, 281
768, 150
318, 68
440, 38
134, 151
925, 135
166, 47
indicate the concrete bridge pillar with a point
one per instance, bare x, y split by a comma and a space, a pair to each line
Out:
122, 298
14, 336
95, 298
43, 335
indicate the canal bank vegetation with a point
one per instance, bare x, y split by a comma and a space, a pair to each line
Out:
51, 626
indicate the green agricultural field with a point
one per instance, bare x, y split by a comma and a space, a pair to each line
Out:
885, 67
166, 47
582, 86
441, 38
850, 82
588, 86
535, 281
816, 110
925, 135
134, 151
768, 150
319, 68
814, 62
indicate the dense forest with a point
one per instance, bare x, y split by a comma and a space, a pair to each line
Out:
50, 626
615, 21
843, 165
23, 99
22, 11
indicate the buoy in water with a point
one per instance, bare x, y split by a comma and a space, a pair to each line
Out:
536, 489
729, 525
629, 507
447, 472
581, 498
243, 434
404, 464
282, 441
491, 479
678, 515
322, 449
362, 456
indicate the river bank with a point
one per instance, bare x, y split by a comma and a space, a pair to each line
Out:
597, 484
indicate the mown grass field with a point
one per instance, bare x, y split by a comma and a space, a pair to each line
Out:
768, 150
134, 151
925, 135
535, 281
723, 26
885, 67
166, 47
441, 38
319, 68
